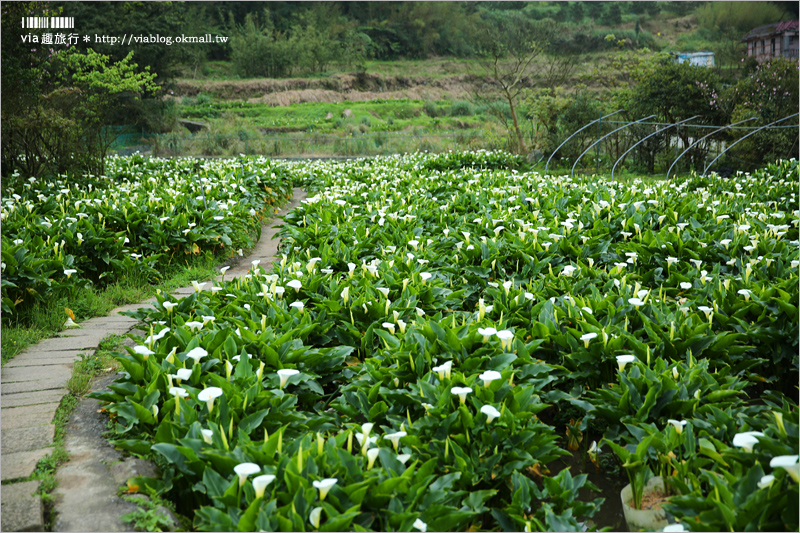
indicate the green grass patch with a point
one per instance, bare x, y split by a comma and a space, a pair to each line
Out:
324, 117
85, 370
149, 516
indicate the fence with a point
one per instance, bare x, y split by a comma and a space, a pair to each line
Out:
297, 144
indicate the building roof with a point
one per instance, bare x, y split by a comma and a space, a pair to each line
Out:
771, 29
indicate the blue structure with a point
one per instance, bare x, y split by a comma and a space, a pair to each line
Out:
699, 59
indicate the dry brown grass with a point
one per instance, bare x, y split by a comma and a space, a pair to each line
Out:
336, 88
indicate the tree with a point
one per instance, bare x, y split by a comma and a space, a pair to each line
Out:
595, 10
508, 46
613, 15
101, 87
576, 12
768, 94
24, 68
64, 126
673, 92
618, 69
141, 18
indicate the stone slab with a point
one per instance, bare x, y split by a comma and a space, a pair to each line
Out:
86, 497
11, 412
133, 467
40, 360
54, 344
58, 344
183, 291
26, 439
21, 510
14, 374
21, 464
91, 335
101, 330
132, 307
8, 423
34, 386
108, 319
21, 399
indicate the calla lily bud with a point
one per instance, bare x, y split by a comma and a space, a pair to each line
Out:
365, 429
371, 456
171, 356
779, 421
315, 516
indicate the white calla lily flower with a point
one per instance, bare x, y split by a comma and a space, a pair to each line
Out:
285, 373
324, 486
491, 412
245, 470
261, 482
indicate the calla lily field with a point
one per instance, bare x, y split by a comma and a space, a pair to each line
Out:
62, 234
439, 334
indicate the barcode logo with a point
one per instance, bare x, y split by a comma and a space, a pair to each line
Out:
46, 23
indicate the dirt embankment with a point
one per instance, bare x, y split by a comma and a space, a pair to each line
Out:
336, 88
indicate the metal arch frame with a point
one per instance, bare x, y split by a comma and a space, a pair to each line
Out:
644, 139
698, 141
573, 135
572, 172
745, 137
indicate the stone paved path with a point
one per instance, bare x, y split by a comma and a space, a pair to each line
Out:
31, 388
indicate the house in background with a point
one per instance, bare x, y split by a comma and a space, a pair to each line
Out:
699, 59
773, 40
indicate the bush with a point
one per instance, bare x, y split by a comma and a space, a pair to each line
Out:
431, 109
768, 94
405, 112
462, 109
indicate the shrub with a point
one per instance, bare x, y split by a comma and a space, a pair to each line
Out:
203, 99
431, 109
461, 108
